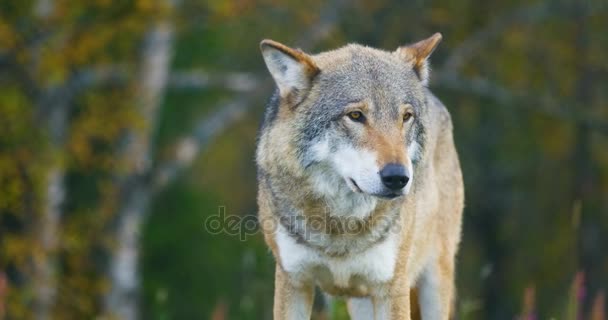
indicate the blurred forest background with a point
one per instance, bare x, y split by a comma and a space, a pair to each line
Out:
125, 124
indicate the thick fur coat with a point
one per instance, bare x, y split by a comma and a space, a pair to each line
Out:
360, 187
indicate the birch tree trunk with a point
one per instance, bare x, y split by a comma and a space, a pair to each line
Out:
47, 223
122, 299
44, 283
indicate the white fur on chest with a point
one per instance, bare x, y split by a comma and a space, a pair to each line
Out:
375, 265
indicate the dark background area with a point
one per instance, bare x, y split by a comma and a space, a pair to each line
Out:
124, 125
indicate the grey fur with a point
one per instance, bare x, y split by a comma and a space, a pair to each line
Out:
317, 163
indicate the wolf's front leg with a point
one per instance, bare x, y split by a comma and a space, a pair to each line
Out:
291, 302
399, 306
436, 288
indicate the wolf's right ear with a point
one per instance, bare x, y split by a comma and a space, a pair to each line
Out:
418, 53
292, 69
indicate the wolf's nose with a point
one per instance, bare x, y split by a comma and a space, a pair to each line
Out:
394, 176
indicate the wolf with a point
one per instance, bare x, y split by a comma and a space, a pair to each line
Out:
360, 191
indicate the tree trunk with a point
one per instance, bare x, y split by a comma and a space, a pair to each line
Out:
53, 110
44, 283
122, 299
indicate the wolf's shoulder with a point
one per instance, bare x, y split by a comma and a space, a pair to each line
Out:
439, 112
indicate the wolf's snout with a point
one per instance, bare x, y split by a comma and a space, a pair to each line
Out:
394, 176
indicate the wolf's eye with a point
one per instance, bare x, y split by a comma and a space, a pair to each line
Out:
356, 116
407, 116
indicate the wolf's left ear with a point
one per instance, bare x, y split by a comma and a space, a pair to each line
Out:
292, 69
417, 54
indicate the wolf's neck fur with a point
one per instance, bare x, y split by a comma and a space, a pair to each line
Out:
325, 214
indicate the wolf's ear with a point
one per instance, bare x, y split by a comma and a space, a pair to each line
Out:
292, 69
417, 54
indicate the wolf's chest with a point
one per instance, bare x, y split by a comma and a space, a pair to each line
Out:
360, 273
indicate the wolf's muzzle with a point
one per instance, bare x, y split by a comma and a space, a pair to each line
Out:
394, 176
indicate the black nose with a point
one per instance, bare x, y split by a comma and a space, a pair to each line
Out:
394, 176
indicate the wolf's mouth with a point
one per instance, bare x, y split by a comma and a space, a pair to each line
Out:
390, 195
353, 185
355, 188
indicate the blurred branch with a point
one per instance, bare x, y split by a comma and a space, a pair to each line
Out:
478, 86
53, 98
207, 129
181, 80
545, 104
199, 79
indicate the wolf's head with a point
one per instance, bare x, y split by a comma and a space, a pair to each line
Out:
356, 114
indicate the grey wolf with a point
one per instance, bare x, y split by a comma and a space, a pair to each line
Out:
360, 186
